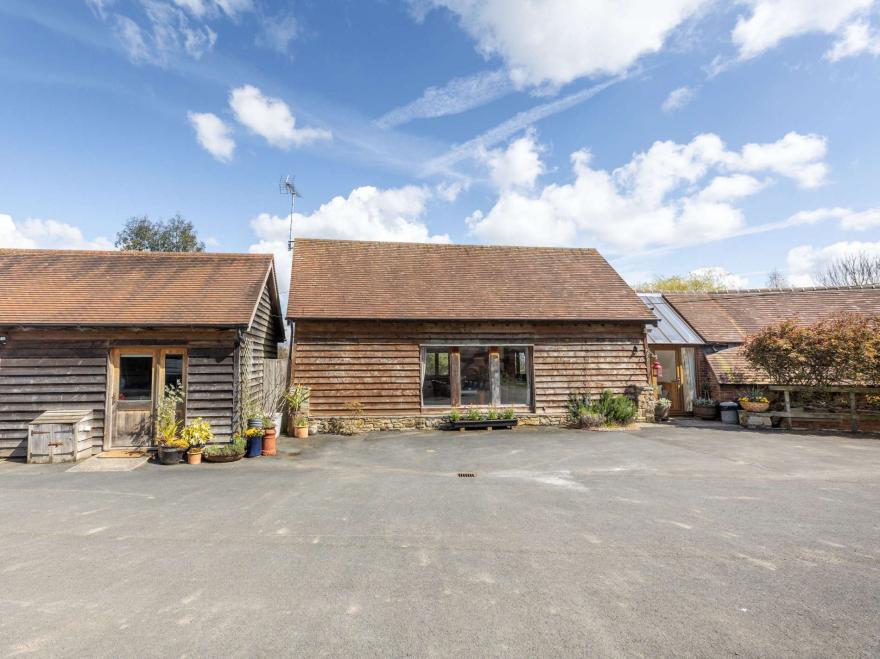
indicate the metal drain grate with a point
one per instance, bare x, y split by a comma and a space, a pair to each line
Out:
466, 475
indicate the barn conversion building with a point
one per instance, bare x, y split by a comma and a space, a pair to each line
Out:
104, 332
398, 334
722, 321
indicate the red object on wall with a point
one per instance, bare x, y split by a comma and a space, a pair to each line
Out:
657, 368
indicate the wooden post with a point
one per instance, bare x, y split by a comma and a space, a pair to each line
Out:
495, 376
788, 407
455, 376
853, 417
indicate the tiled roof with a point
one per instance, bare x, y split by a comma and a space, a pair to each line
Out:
730, 316
353, 279
128, 289
731, 367
671, 329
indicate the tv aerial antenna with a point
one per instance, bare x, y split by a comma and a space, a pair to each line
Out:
286, 187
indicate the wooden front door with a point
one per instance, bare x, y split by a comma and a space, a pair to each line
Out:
138, 379
670, 380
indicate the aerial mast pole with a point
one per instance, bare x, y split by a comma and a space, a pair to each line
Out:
286, 187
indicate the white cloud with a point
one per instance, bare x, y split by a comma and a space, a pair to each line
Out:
728, 188
796, 156
554, 42
860, 221
771, 21
474, 148
162, 31
368, 213
457, 95
213, 134
271, 119
278, 32
203, 8
32, 233
517, 166
857, 38
662, 197
677, 99
804, 261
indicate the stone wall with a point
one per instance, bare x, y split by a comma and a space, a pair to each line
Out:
350, 425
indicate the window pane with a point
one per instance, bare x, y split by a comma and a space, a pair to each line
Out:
435, 387
173, 370
475, 383
514, 376
135, 377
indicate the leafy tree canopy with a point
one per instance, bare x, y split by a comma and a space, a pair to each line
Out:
843, 349
144, 235
699, 281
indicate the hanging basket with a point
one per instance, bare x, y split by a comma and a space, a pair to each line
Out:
750, 406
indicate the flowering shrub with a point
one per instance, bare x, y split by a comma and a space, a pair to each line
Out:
197, 434
843, 349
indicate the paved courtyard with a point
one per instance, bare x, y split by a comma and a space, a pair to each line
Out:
668, 541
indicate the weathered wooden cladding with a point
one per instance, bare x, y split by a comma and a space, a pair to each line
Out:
67, 369
36, 376
262, 337
375, 365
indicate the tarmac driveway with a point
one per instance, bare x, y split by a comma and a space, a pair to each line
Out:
665, 541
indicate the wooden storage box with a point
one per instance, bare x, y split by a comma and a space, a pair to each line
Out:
60, 436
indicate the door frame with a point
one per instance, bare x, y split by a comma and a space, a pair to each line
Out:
679, 376
158, 354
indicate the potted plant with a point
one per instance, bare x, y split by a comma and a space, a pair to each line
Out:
231, 452
171, 447
297, 397
661, 409
301, 427
705, 408
196, 435
754, 400
254, 437
269, 436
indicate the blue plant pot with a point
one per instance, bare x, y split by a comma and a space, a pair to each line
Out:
254, 446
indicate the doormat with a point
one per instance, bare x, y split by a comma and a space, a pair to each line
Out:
93, 464
123, 453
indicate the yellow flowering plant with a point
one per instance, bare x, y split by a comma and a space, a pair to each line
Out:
197, 434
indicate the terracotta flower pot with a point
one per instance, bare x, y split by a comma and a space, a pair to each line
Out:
269, 443
749, 406
301, 433
194, 457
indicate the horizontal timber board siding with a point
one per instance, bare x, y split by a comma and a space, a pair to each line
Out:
54, 369
376, 366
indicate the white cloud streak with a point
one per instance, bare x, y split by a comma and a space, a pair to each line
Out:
456, 96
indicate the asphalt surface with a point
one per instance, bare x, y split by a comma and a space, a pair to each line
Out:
659, 542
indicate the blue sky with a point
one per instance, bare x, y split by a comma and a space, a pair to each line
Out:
671, 135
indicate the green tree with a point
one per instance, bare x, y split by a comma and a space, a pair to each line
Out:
141, 234
694, 282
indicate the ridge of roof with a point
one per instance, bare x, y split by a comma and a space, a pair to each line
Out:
131, 252
758, 291
591, 250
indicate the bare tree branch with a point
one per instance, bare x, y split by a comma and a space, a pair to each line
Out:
859, 269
